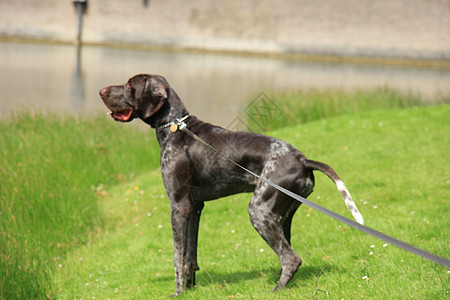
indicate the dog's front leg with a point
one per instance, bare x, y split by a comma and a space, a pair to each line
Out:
179, 217
191, 251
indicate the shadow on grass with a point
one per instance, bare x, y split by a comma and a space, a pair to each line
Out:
205, 278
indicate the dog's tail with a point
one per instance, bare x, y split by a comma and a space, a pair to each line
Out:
316, 165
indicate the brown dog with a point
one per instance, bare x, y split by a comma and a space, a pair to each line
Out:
193, 174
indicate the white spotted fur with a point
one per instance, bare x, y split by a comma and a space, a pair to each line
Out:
349, 201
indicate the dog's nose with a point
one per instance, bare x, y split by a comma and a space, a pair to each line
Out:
103, 92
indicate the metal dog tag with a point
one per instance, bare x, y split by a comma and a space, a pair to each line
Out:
173, 127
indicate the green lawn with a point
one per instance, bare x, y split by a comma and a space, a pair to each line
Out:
50, 169
291, 107
394, 162
84, 213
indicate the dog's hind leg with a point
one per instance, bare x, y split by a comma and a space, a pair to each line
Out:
268, 209
287, 221
304, 188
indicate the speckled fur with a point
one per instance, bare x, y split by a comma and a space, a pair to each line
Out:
193, 174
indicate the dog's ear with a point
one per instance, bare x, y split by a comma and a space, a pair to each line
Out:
154, 94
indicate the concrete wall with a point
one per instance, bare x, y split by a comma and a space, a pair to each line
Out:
417, 29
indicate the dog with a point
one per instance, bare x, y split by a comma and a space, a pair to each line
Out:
193, 174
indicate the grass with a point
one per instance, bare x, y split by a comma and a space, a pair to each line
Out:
84, 213
392, 152
288, 108
50, 172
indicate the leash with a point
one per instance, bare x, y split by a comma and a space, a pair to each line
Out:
179, 124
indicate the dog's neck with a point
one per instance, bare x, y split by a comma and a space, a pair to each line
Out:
172, 109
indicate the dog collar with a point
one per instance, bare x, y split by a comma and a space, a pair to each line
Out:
175, 125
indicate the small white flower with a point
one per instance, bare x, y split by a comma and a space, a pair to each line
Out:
372, 246
160, 226
385, 245
261, 250
365, 277
370, 253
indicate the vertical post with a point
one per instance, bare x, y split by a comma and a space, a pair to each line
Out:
80, 6
77, 90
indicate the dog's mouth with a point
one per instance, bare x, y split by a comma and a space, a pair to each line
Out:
123, 115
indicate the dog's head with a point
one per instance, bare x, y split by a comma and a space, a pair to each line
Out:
141, 97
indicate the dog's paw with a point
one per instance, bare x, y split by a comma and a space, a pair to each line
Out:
176, 294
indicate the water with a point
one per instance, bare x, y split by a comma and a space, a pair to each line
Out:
59, 78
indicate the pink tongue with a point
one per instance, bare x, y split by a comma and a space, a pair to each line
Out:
123, 115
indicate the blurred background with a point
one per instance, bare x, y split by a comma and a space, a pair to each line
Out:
218, 55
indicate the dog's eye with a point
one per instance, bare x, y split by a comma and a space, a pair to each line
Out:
129, 89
